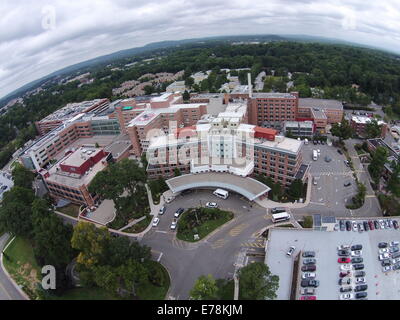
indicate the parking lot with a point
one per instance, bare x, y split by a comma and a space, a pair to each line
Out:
381, 286
329, 193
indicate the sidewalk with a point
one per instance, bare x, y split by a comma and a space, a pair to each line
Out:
269, 204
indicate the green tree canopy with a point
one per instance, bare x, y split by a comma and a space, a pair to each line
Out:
16, 211
205, 288
22, 177
257, 283
342, 130
373, 129
378, 161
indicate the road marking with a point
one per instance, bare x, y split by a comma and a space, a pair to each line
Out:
159, 257
237, 230
160, 231
218, 243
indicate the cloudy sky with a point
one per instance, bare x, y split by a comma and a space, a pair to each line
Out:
38, 37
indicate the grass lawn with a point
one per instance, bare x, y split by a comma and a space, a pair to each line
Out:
71, 210
151, 292
204, 228
22, 265
140, 226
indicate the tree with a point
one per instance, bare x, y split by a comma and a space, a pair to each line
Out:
51, 236
342, 130
186, 96
296, 189
22, 177
177, 172
16, 211
394, 180
91, 243
378, 161
257, 283
204, 288
189, 82
308, 222
373, 129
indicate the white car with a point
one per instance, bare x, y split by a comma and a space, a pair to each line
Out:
360, 280
382, 224
386, 268
384, 256
173, 224
343, 247
319, 152
156, 221
169, 199
383, 250
345, 267
356, 253
308, 275
211, 205
354, 224
394, 261
290, 251
394, 243
346, 296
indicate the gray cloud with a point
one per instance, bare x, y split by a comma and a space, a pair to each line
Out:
86, 29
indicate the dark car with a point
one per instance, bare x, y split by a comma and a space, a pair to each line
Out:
347, 184
394, 249
366, 225
309, 283
358, 274
308, 254
178, 212
382, 245
346, 289
322, 142
396, 266
357, 260
356, 247
315, 142
395, 224
385, 263
309, 261
358, 266
348, 225
312, 267
342, 227
361, 287
339, 151
360, 295
376, 224
343, 253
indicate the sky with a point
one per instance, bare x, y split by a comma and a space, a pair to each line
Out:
38, 37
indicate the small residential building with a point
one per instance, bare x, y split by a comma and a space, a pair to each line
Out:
359, 124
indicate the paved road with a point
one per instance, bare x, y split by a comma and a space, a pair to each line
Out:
218, 253
7, 290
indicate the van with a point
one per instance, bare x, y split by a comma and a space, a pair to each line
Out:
278, 210
221, 193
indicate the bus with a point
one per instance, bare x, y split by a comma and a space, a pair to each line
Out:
221, 193
279, 217
315, 155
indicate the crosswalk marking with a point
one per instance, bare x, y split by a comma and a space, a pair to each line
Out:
238, 229
218, 243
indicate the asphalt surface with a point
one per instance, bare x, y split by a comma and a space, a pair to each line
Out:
218, 254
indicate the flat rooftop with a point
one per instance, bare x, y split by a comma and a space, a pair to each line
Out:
320, 103
281, 144
279, 95
380, 286
248, 187
78, 157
